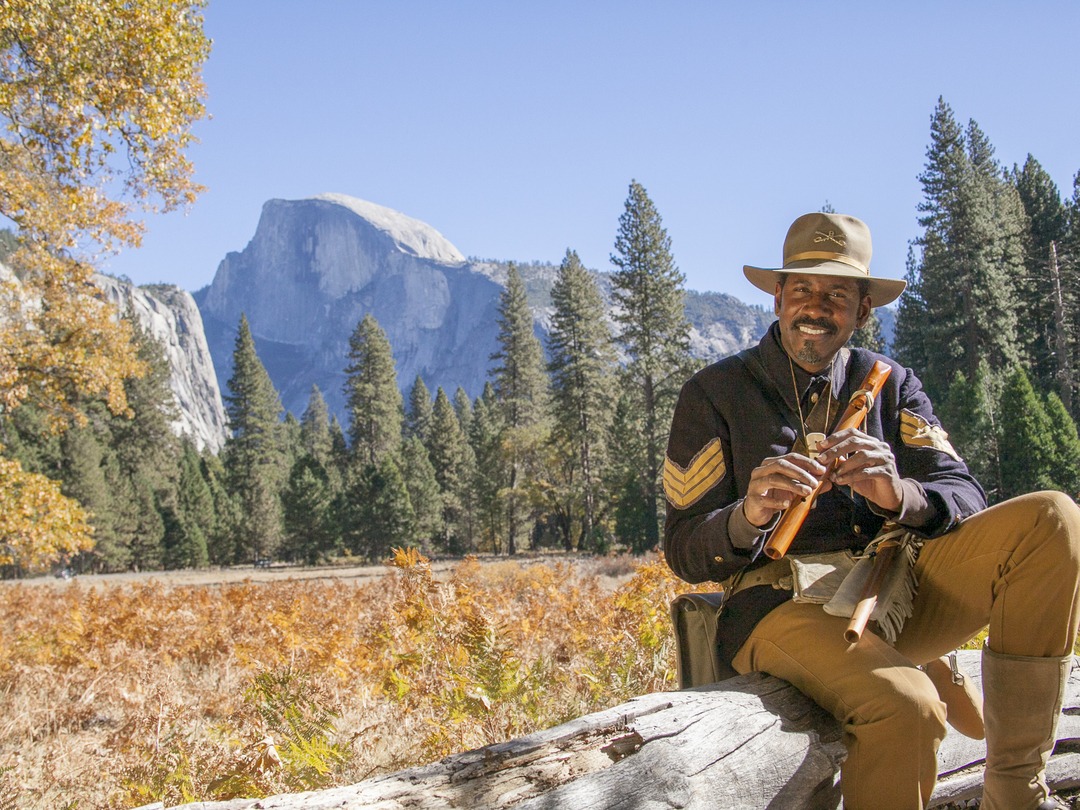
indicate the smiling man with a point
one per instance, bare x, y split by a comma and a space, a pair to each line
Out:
753, 432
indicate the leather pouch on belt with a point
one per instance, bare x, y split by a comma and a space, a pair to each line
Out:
816, 577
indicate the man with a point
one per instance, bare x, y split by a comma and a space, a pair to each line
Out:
739, 454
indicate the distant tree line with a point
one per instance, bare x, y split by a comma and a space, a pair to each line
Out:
990, 317
563, 447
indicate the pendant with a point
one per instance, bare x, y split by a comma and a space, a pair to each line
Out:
812, 440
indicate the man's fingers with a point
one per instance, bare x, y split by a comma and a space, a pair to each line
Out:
850, 475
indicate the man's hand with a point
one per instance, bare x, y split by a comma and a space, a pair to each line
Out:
776, 482
866, 465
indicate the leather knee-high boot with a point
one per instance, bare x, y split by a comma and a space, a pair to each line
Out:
1022, 704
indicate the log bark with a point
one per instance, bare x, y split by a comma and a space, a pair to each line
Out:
750, 742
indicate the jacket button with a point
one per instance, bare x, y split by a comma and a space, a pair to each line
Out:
718, 559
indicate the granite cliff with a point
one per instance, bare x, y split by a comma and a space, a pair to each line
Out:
170, 315
316, 266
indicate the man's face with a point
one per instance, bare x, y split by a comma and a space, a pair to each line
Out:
817, 316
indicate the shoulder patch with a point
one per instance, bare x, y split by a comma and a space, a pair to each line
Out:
685, 486
917, 432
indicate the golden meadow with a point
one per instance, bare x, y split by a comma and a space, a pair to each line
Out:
118, 695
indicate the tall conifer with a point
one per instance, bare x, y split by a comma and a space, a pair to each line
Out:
372, 395
910, 343
582, 366
1063, 432
484, 439
418, 419
84, 479
521, 386
655, 335
223, 540
1027, 444
194, 512
306, 501
1068, 262
424, 493
315, 436
1039, 288
252, 454
970, 415
448, 449
972, 255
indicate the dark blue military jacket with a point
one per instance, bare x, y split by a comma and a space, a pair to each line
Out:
735, 413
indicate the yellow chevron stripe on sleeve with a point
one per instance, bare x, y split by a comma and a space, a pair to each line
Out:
685, 486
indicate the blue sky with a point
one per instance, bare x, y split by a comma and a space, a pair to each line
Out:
515, 128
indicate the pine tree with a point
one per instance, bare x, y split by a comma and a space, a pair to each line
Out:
307, 502
424, 494
1066, 470
390, 518
186, 541
84, 479
339, 448
972, 253
1027, 444
139, 523
469, 520
463, 408
582, 366
648, 290
486, 481
969, 414
1068, 264
146, 452
252, 454
632, 514
290, 438
372, 395
418, 420
448, 449
223, 539
868, 336
910, 345
1039, 290
145, 443
315, 436
521, 387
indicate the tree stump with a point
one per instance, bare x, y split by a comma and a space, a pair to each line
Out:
750, 742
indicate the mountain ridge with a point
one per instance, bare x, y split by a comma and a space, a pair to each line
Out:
316, 266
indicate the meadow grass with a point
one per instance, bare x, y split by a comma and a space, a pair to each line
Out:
118, 695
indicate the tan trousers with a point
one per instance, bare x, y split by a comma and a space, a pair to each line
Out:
1014, 567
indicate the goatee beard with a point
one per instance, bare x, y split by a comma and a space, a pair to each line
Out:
809, 354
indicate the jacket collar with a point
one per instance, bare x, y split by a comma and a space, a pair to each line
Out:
778, 366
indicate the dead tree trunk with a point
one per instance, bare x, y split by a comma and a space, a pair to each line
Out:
751, 742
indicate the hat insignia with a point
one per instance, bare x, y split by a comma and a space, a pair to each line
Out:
837, 238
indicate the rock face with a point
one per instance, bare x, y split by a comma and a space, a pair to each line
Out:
312, 271
316, 266
171, 316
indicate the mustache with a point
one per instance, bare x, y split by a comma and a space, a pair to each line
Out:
819, 323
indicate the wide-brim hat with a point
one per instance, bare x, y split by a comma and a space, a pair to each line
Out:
828, 245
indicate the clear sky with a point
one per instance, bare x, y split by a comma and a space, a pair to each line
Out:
514, 128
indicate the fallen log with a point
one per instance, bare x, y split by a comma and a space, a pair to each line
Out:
750, 742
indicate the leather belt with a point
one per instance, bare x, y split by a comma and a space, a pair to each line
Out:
776, 573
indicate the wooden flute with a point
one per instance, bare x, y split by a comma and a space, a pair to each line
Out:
858, 406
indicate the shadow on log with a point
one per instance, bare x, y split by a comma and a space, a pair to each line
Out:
751, 742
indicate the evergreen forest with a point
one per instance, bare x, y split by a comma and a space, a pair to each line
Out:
564, 447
